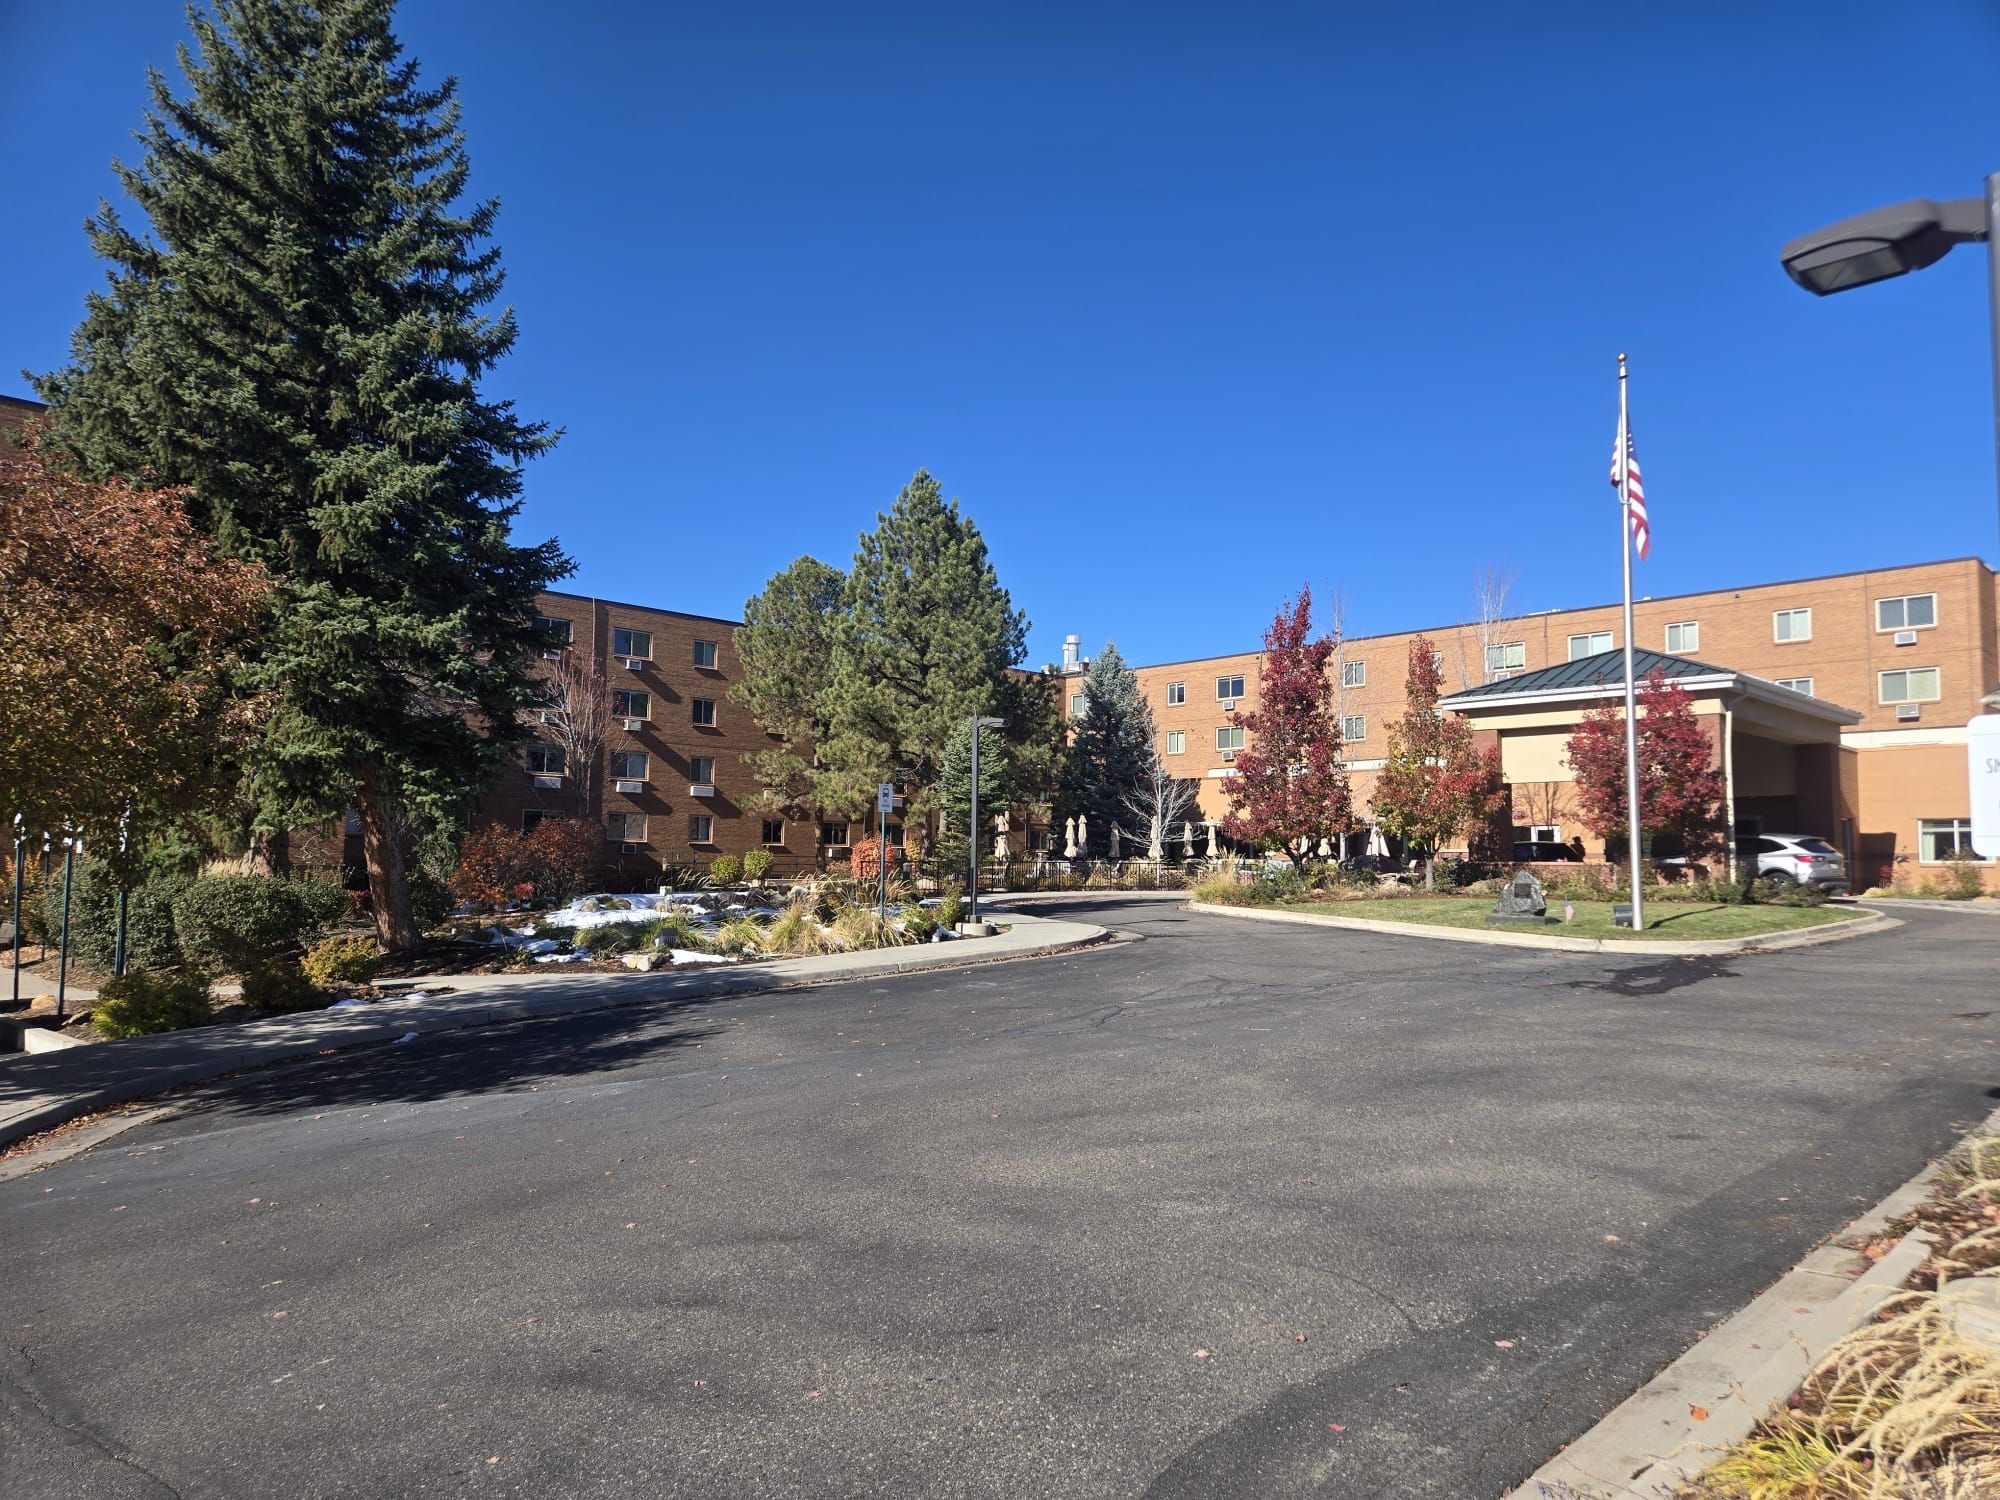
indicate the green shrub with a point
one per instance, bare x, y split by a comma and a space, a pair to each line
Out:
951, 911
93, 918
1225, 890
757, 864
235, 923
725, 869
1962, 879
919, 922
673, 928
343, 959
324, 902
143, 1003
278, 985
614, 938
430, 900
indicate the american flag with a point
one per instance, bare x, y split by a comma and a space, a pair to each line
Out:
1642, 533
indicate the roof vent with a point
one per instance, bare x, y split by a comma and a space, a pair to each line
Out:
1072, 652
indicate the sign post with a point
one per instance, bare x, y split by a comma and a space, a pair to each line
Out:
885, 799
1982, 753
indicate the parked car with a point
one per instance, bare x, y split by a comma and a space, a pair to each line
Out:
1379, 864
1540, 853
1801, 859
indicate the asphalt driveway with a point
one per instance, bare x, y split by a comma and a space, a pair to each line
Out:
1238, 1209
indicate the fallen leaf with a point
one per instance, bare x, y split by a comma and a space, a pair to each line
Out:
1201, 1354
1699, 1413
279, 1313
1336, 1427
1612, 1239
1503, 1343
1298, 1338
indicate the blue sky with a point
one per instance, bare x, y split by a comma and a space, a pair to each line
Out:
1189, 304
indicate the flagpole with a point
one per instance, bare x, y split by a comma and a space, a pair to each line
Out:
1631, 693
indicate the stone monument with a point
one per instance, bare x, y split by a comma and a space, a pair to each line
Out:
1521, 903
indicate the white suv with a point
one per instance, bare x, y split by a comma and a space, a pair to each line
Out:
1801, 859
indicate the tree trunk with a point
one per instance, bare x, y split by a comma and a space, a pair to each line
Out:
388, 886
1430, 870
269, 854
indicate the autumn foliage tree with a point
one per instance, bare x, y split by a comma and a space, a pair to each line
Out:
1435, 782
1290, 787
119, 627
553, 862
1681, 790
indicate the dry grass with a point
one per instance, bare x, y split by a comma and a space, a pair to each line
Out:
1908, 1407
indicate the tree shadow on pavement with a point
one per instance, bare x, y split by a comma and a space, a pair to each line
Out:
517, 1057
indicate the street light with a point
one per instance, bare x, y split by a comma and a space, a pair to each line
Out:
978, 723
1899, 239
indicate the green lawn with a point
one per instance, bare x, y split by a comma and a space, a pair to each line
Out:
1664, 919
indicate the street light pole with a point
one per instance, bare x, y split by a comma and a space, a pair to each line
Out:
20, 854
978, 722
62, 961
1897, 240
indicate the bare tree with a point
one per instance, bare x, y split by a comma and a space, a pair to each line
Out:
575, 716
1162, 800
1490, 588
1336, 629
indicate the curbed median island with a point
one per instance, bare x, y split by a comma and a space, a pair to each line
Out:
1592, 919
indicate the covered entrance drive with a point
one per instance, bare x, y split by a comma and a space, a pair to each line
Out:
1783, 765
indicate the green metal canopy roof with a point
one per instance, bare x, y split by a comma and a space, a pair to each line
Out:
1605, 669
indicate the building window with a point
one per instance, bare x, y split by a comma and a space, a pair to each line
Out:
555, 633
1684, 637
1797, 684
1176, 694
833, 835
533, 817
704, 654
628, 703
1176, 742
1229, 737
1910, 612
547, 760
774, 832
626, 828
1353, 727
1354, 674
632, 643
1509, 656
628, 765
895, 835
1911, 685
1228, 687
1938, 839
1791, 625
1545, 833
701, 770
704, 713
1589, 644
1076, 705
701, 828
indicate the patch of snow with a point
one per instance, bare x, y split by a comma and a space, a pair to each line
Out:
348, 1004
689, 956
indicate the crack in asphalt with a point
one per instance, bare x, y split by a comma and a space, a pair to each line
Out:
21, 1384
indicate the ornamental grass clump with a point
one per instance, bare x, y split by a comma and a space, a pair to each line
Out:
741, 935
797, 933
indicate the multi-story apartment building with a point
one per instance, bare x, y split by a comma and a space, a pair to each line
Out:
673, 787
1911, 651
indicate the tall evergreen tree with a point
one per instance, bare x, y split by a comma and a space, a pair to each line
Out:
926, 639
1111, 751
785, 643
300, 338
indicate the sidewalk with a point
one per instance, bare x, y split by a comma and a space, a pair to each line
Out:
39, 1091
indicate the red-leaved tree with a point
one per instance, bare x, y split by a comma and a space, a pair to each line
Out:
1436, 782
1290, 787
1680, 788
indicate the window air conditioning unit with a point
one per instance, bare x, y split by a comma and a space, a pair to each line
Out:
552, 656
633, 726
1229, 757
701, 789
628, 848
631, 788
1229, 705
1906, 638
1909, 711
634, 663
548, 783
1501, 676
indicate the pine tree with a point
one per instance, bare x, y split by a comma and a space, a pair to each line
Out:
926, 639
954, 794
784, 644
1290, 787
1435, 783
1111, 752
300, 339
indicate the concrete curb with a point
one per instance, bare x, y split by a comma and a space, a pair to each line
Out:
1984, 906
1651, 1443
42, 1091
1804, 937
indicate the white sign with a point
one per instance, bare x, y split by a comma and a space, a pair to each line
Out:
1982, 752
885, 796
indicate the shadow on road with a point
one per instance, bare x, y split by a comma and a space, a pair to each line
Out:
514, 1058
